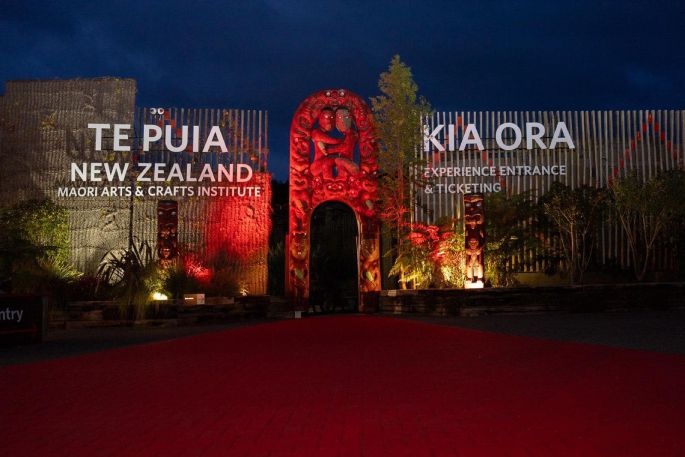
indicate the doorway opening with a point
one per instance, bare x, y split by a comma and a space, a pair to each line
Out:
334, 284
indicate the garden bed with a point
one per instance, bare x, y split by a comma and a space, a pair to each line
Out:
569, 299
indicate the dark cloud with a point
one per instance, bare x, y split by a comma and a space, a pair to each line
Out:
271, 54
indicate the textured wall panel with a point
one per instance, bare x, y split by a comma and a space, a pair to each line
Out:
43, 128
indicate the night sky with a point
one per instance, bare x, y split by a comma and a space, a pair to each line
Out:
471, 55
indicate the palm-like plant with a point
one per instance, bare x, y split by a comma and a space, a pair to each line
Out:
132, 273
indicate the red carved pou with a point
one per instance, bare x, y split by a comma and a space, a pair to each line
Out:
474, 218
167, 231
315, 181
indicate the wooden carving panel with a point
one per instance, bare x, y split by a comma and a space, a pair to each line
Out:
474, 219
323, 168
167, 231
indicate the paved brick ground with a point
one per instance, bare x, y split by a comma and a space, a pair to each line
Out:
347, 386
662, 331
69, 342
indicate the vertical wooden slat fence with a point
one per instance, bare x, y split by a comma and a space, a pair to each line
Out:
608, 145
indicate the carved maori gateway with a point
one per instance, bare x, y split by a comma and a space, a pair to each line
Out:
332, 174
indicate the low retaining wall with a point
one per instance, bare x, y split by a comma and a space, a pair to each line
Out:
571, 299
168, 313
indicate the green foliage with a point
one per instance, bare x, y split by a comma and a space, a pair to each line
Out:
415, 264
45, 276
133, 276
450, 256
646, 209
122, 266
189, 274
36, 226
507, 226
86, 288
432, 256
398, 113
34, 249
576, 215
178, 281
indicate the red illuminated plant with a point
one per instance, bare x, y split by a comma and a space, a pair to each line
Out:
432, 256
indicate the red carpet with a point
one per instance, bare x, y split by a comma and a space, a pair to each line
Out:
347, 386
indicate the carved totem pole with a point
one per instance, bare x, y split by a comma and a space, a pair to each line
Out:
333, 175
167, 231
474, 218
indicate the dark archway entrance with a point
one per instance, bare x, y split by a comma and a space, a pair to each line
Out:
333, 259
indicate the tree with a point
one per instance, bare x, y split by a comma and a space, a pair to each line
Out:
646, 209
576, 214
398, 114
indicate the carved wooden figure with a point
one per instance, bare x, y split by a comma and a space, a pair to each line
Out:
474, 230
167, 231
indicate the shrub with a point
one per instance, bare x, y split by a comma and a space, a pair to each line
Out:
41, 224
225, 284
576, 215
86, 288
45, 276
34, 250
223, 281
432, 256
178, 280
509, 227
133, 276
646, 209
